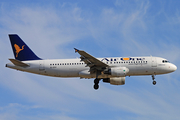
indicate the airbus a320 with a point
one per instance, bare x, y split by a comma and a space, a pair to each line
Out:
111, 70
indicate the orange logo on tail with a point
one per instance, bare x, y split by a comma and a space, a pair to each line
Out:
18, 49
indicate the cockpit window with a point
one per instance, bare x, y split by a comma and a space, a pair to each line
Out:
165, 61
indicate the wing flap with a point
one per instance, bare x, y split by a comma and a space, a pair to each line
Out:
18, 63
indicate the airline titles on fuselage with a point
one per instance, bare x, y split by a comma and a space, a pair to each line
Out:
129, 61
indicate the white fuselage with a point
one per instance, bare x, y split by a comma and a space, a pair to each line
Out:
74, 67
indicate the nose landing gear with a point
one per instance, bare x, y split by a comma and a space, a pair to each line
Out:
154, 82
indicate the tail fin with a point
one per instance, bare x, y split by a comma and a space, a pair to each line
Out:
21, 51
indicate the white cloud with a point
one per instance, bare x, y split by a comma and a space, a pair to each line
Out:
13, 112
52, 29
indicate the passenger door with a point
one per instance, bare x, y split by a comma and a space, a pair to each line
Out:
153, 62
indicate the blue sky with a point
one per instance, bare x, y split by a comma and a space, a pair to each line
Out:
103, 28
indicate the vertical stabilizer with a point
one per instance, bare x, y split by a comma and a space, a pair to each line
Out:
21, 51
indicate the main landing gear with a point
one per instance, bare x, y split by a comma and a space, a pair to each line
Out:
96, 83
154, 82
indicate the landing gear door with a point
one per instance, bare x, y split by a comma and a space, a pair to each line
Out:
41, 66
154, 62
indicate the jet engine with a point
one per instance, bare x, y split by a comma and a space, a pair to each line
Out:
115, 81
117, 71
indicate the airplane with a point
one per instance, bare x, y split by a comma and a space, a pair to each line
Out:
111, 70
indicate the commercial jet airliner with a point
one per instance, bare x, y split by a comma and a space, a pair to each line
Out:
111, 70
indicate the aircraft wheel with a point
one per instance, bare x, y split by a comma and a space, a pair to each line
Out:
96, 83
96, 86
154, 82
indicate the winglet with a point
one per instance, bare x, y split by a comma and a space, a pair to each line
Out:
76, 50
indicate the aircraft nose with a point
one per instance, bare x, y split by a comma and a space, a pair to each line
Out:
173, 67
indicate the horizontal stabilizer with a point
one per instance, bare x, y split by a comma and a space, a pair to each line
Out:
18, 63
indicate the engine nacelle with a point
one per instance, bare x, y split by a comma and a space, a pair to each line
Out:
115, 81
117, 71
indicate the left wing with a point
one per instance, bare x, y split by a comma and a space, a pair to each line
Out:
91, 61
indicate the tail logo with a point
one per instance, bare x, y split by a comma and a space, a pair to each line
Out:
18, 49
